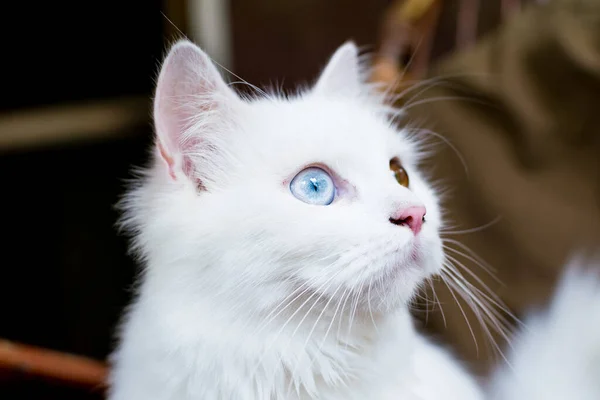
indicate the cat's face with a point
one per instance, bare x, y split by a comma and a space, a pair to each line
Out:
261, 200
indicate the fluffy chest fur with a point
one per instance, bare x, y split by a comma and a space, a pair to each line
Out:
207, 356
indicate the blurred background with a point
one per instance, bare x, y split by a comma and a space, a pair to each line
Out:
75, 118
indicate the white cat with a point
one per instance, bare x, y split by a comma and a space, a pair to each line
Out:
282, 240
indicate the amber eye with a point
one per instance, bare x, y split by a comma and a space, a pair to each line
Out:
399, 172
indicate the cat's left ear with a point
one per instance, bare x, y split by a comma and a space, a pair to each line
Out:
342, 75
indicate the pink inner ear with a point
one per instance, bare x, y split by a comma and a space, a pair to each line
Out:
167, 159
189, 88
183, 78
187, 165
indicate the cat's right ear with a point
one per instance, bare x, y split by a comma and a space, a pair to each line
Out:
191, 96
343, 73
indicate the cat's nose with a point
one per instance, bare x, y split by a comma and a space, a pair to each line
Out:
413, 217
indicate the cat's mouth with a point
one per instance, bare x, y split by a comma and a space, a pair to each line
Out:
411, 254
408, 263
409, 259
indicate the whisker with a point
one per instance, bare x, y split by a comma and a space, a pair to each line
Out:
343, 308
369, 304
270, 317
392, 87
328, 281
472, 230
449, 144
353, 309
435, 81
462, 311
470, 254
435, 296
482, 319
312, 329
173, 24
496, 303
334, 315
443, 98
289, 342
471, 273
481, 308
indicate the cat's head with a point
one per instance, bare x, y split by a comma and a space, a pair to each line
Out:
261, 199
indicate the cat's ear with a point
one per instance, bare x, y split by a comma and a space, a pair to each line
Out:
342, 75
191, 96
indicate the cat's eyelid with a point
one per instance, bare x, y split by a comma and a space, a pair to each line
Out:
320, 165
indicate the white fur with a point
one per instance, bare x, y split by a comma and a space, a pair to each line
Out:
247, 293
557, 356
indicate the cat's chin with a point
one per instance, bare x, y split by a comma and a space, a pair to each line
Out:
391, 290
398, 282
396, 292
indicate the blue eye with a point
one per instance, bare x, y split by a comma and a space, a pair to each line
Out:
313, 186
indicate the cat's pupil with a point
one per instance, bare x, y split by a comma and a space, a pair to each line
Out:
315, 184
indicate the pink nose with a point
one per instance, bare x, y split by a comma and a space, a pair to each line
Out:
413, 217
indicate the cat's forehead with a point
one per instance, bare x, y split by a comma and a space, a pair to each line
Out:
344, 133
